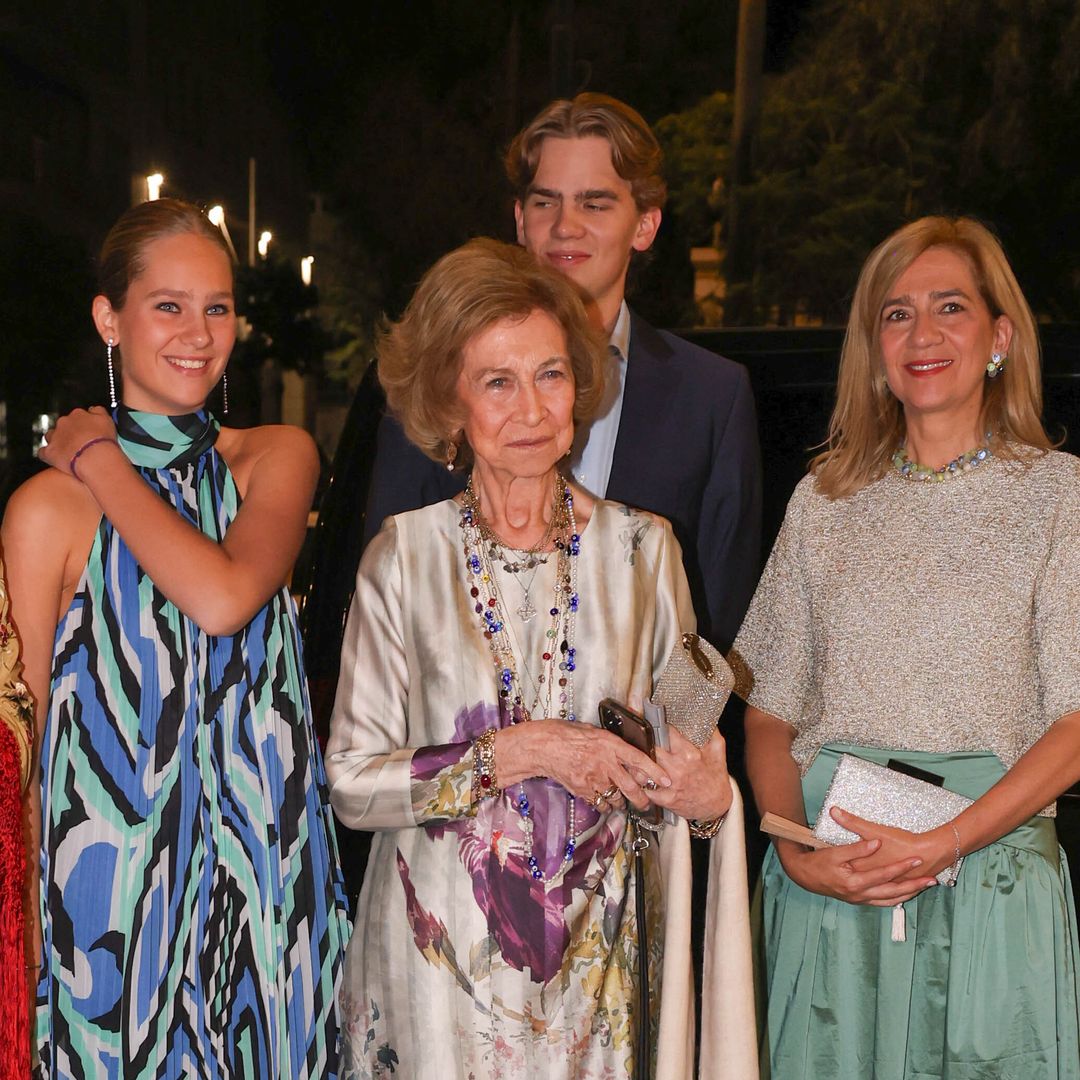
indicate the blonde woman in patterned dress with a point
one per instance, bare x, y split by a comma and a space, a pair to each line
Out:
495, 935
922, 602
192, 914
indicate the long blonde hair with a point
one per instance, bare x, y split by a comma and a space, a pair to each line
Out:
867, 423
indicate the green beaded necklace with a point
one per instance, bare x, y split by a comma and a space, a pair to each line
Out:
912, 470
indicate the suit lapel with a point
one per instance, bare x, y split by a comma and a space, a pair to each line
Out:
644, 396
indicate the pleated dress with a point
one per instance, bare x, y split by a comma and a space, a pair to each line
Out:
938, 624
193, 911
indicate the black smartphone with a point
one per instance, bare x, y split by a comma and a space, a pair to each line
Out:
638, 732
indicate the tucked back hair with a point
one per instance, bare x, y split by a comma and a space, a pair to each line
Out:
121, 259
635, 153
867, 423
464, 293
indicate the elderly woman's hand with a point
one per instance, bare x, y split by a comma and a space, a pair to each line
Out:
700, 788
586, 760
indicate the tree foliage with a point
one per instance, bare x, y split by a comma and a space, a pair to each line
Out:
891, 112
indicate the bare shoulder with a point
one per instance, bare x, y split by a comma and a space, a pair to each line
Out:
280, 445
50, 506
48, 531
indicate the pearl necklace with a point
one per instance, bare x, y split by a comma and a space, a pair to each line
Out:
481, 544
911, 470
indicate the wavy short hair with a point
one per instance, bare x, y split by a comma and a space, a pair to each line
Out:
635, 153
868, 422
463, 294
122, 260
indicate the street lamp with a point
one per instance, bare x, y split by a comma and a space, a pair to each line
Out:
153, 186
306, 264
264, 242
216, 214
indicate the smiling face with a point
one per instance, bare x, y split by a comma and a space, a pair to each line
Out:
177, 326
937, 335
516, 391
579, 215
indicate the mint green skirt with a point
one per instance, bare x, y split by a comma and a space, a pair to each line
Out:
984, 988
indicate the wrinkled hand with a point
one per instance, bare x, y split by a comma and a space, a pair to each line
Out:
74, 430
583, 758
700, 788
935, 850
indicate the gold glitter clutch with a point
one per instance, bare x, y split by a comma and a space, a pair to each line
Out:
887, 796
693, 688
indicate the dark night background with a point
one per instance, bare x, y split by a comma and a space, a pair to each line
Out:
378, 130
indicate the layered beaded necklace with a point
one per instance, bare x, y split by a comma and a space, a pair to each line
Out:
912, 470
555, 684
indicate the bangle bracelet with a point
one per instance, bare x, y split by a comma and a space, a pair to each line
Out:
705, 830
484, 785
82, 450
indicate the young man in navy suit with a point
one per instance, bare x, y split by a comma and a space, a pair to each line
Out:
676, 433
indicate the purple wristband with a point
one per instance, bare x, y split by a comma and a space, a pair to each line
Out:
82, 450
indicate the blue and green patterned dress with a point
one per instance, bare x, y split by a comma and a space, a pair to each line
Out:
194, 917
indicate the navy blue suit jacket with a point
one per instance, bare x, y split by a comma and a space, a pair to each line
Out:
687, 448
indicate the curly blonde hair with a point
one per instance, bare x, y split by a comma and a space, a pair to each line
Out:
867, 423
464, 293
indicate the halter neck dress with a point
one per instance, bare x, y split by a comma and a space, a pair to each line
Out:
194, 916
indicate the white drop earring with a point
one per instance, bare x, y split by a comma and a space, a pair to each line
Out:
112, 377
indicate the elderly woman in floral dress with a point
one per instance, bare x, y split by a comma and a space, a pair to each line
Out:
496, 930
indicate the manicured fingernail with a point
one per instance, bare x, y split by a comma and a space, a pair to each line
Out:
916, 862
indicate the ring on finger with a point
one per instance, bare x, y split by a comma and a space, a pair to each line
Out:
597, 800
610, 793
650, 784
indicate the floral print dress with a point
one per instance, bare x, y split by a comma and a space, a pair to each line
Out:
461, 963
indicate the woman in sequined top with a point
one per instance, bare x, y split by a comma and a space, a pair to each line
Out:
922, 604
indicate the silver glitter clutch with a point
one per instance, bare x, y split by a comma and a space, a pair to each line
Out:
693, 688
887, 797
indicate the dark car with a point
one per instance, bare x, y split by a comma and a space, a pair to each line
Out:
793, 372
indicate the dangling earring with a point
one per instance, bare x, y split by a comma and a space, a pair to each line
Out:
112, 377
451, 455
225, 392
997, 362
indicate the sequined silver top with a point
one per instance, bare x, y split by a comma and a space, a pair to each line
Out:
917, 616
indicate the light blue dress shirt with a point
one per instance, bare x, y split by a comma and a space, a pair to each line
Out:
594, 443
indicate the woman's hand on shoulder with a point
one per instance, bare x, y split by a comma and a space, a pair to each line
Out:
74, 431
583, 758
700, 786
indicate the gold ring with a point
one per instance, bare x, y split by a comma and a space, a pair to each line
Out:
610, 793
596, 801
